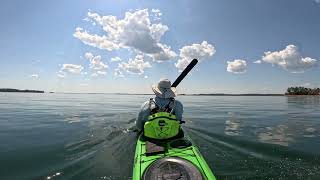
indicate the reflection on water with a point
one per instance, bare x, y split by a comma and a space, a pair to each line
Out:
275, 135
302, 113
310, 132
286, 134
233, 127
54, 175
299, 120
72, 119
303, 100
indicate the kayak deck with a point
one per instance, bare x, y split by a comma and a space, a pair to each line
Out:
184, 149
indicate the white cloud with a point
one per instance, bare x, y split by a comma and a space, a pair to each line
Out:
98, 73
317, 1
166, 54
289, 59
156, 14
89, 20
60, 75
135, 66
71, 68
101, 42
146, 77
88, 55
195, 51
237, 66
94, 75
116, 59
101, 72
118, 73
34, 76
95, 61
155, 10
257, 62
134, 32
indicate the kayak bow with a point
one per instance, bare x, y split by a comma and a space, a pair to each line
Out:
172, 159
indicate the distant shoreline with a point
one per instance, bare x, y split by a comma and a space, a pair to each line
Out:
150, 94
20, 91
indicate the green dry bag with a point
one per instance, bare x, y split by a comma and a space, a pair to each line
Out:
161, 125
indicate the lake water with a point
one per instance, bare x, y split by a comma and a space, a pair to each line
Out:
86, 136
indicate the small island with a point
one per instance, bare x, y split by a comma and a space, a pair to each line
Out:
21, 91
302, 91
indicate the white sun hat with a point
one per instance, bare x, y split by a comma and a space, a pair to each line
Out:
163, 89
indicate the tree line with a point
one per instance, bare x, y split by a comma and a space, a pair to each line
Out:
302, 91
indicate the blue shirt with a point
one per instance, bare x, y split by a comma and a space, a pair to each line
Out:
161, 102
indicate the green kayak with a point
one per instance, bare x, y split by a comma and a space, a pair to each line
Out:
170, 159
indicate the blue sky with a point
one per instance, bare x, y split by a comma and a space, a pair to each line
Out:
246, 46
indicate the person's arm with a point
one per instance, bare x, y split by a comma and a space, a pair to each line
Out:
142, 115
178, 110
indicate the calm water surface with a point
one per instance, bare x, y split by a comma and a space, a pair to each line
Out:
87, 136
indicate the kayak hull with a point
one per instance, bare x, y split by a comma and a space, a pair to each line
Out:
181, 149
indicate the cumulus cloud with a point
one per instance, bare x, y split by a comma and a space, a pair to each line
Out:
94, 74
34, 76
155, 10
135, 32
195, 51
166, 54
101, 72
156, 14
237, 66
94, 40
71, 68
98, 73
118, 73
257, 62
95, 61
135, 66
289, 59
116, 59
61, 75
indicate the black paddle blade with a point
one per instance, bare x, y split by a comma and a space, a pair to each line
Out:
184, 73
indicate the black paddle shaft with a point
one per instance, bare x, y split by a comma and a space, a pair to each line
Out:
184, 73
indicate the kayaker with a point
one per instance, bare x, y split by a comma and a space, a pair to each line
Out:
162, 149
164, 100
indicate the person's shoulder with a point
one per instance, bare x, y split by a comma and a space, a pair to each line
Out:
178, 102
145, 104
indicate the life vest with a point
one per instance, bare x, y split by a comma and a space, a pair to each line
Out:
162, 122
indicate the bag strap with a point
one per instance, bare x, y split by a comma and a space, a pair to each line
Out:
169, 106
